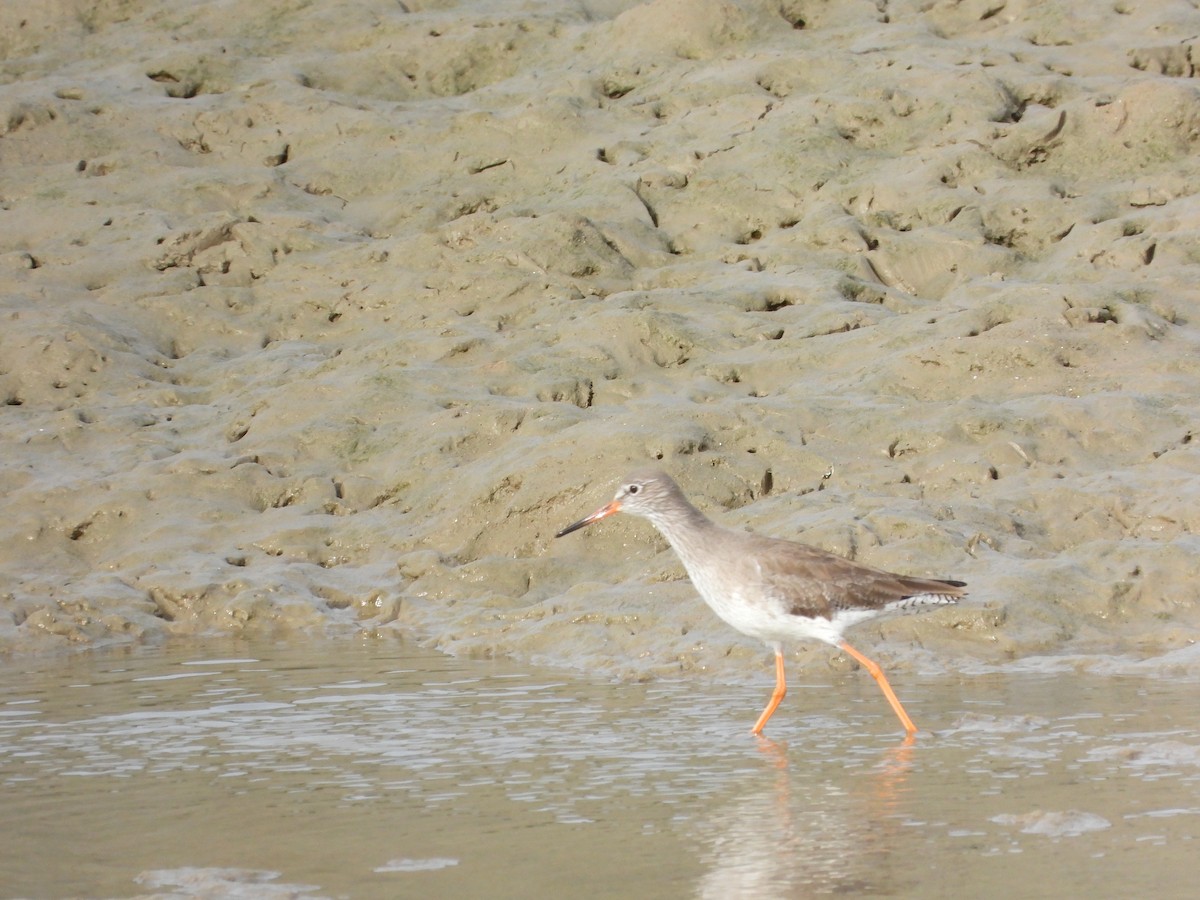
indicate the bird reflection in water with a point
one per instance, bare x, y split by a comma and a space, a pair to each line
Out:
779, 839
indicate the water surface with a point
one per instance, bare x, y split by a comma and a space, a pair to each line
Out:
339, 769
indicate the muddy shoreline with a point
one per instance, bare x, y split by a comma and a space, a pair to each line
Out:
325, 317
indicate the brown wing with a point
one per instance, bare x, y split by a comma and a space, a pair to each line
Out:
812, 582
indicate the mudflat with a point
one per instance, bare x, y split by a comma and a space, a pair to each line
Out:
323, 317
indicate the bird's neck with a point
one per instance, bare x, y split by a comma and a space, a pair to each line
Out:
685, 529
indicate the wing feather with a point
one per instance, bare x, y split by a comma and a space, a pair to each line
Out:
810, 582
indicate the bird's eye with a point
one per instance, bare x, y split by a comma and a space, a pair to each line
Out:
633, 488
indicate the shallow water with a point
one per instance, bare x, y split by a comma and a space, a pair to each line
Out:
381, 770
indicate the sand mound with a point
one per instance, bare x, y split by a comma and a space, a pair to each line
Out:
328, 315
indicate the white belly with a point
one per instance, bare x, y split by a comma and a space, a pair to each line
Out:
761, 618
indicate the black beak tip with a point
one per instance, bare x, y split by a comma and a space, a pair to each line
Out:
571, 528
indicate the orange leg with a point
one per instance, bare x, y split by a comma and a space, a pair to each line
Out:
881, 680
776, 696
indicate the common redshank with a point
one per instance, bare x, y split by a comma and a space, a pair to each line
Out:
771, 589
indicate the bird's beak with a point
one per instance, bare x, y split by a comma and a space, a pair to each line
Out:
602, 513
